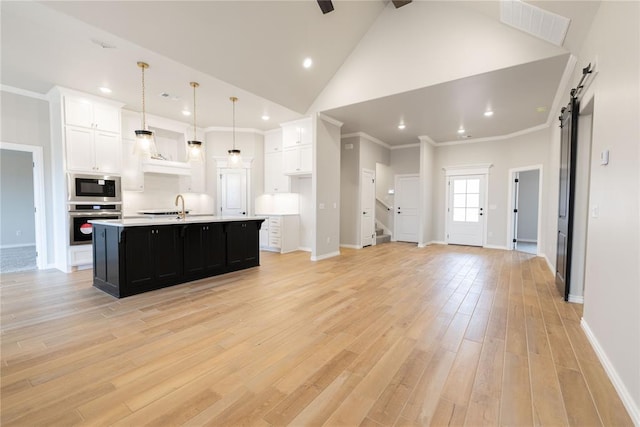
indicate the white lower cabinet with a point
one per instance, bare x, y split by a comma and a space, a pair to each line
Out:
80, 255
280, 233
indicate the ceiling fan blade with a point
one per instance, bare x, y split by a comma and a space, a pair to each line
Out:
325, 5
400, 3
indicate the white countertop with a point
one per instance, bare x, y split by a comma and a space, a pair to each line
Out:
139, 222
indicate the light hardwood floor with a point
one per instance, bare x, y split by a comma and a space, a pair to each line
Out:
387, 335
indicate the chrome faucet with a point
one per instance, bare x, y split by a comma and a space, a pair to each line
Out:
182, 214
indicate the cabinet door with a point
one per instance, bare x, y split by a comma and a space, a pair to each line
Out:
168, 254
291, 160
78, 112
80, 149
194, 183
242, 244
274, 179
106, 117
291, 135
306, 156
306, 135
108, 155
193, 249
139, 258
273, 142
214, 248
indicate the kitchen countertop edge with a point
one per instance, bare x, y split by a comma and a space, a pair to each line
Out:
141, 222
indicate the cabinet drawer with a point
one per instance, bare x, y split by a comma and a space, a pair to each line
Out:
275, 232
274, 242
274, 221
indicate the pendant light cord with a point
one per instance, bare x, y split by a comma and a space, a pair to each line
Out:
142, 66
234, 122
194, 110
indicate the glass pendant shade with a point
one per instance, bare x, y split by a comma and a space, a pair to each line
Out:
145, 142
194, 151
194, 147
235, 158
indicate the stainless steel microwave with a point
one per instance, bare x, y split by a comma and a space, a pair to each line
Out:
93, 188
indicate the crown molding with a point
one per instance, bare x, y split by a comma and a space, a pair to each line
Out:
368, 138
230, 129
23, 92
330, 120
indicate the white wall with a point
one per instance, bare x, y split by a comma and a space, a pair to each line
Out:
326, 188
26, 121
405, 50
427, 213
612, 276
302, 186
17, 225
520, 151
405, 160
528, 205
349, 192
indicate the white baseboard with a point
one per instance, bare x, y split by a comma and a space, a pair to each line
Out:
502, 248
578, 299
552, 268
528, 240
437, 242
304, 249
618, 384
325, 256
342, 245
20, 245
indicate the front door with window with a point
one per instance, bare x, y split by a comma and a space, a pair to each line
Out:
465, 212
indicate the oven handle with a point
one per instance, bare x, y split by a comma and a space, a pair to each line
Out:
96, 214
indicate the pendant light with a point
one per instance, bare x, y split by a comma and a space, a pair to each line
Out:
235, 159
145, 142
194, 147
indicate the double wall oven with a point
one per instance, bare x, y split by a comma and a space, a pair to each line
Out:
91, 197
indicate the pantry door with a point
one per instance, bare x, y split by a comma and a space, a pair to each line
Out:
233, 192
465, 211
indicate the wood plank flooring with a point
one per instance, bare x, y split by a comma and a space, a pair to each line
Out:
387, 335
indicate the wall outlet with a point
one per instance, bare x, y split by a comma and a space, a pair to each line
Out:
18, 232
328, 239
321, 206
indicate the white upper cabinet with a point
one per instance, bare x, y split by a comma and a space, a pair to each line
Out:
297, 133
90, 114
92, 135
275, 181
297, 138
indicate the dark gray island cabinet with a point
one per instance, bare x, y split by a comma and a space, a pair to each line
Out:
140, 255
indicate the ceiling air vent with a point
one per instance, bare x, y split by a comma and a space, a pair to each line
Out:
535, 21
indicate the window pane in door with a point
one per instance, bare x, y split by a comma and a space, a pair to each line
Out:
459, 186
473, 200
473, 186
459, 201
458, 214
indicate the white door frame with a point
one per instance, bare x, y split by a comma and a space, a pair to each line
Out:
395, 203
373, 204
479, 169
38, 197
510, 202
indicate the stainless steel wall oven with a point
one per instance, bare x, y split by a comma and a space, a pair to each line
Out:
80, 230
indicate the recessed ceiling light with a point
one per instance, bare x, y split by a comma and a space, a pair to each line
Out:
105, 90
265, 117
307, 63
401, 126
488, 113
186, 112
461, 131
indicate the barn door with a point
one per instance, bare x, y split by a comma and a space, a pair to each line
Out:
568, 146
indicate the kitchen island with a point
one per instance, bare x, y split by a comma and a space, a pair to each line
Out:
131, 256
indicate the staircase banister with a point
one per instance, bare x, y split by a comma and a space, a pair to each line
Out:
383, 203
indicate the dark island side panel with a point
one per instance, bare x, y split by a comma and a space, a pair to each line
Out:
132, 260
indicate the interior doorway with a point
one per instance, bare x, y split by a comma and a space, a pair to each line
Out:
524, 209
367, 207
233, 192
407, 196
23, 242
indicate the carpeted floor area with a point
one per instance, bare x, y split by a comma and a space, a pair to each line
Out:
18, 259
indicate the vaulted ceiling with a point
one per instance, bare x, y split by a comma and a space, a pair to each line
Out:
373, 65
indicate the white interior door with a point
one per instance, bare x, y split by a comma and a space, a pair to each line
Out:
233, 192
465, 211
407, 196
367, 207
